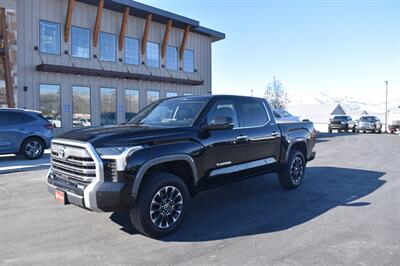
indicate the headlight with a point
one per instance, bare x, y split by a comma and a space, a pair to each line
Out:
119, 154
343, 122
111, 150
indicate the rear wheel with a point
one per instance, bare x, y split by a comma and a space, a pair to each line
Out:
292, 174
32, 148
161, 205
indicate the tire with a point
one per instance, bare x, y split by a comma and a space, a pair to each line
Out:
291, 178
153, 191
32, 148
330, 130
379, 131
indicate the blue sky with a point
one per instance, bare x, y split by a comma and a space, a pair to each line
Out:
340, 46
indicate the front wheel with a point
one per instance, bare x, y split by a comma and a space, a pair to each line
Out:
161, 205
292, 174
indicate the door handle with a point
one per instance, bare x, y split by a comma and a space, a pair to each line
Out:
275, 134
241, 137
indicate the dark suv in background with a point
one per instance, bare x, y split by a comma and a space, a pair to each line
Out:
341, 123
24, 132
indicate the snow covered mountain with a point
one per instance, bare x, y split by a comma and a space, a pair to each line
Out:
353, 103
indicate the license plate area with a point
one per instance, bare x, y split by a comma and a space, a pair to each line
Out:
61, 196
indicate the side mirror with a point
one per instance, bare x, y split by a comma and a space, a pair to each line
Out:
220, 123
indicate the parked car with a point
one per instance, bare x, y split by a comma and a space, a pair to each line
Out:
24, 132
283, 116
173, 149
369, 123
394, 120
342, 123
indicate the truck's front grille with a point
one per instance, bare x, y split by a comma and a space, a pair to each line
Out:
72, 163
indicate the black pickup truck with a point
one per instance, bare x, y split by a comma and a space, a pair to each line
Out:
171, 150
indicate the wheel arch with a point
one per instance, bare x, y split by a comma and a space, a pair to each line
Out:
186, 163
299, 145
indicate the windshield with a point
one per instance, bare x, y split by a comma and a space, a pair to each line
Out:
286, 113
340, 118
170, 112
367, 119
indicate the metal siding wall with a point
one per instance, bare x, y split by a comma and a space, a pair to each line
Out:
31, 11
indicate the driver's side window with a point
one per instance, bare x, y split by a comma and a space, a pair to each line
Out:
223, 108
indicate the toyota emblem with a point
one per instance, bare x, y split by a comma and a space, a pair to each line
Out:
61, 152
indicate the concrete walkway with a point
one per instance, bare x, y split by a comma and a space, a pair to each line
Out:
10, 163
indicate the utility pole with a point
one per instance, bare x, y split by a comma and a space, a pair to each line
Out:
386, 106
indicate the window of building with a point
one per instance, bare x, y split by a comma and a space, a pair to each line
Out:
131, 51
50, 37
50, 103
107, 47
172, 58
131, 103
253, 113
152, 96
188, 61
80, 42
81, 107
153, 54
171, 94
108, 106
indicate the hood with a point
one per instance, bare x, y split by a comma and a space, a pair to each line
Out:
126, 135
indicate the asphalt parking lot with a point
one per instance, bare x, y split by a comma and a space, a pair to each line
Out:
346, 212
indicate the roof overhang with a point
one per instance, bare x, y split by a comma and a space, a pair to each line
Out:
115, 74
161, 16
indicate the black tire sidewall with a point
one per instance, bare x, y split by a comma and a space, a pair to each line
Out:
22, 150
150, 187
285, 175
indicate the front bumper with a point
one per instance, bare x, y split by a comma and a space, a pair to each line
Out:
338, 126
109, 196
369, 128
312, 156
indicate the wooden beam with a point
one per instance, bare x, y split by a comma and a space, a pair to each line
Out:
166, 38
6, 59
96, 30
123, 28
70, 10
146, 32
115, 74
184, 41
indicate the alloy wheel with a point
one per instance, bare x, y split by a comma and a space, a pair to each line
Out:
166, 207
33, 148
296, 170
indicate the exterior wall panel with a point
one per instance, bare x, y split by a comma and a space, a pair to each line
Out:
30, 12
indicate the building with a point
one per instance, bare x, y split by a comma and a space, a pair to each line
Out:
96, 62
319, 114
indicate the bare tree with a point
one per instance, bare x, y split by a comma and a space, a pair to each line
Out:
276, 94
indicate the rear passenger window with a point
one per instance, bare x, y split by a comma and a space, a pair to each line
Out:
253, 113
19, 118
4, 118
